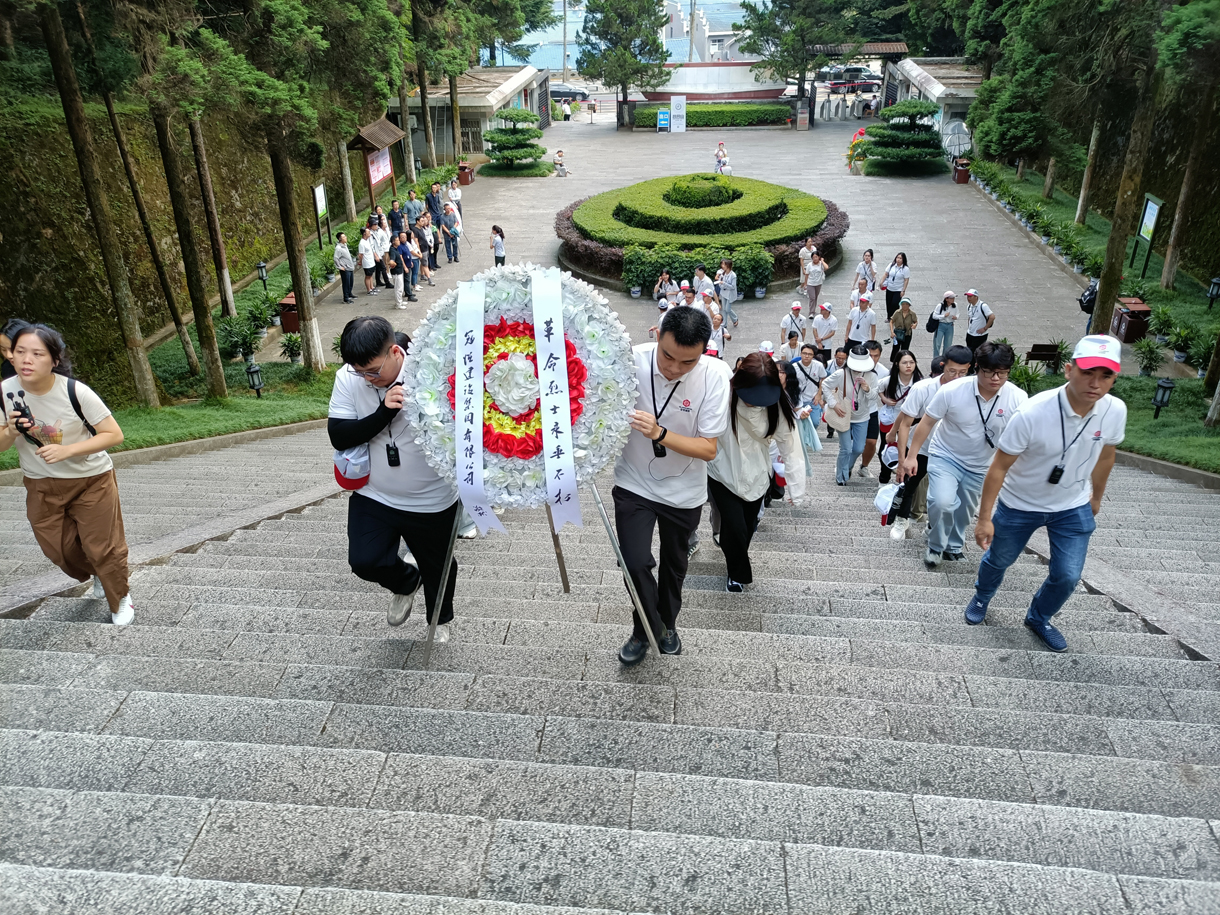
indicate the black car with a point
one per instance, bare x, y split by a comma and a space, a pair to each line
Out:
560, 91
854, 79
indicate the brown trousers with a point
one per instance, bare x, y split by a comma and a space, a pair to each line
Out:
79, 525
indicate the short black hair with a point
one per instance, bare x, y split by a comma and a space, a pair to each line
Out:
364, 339
938, 366
701, 267
959, 354
994, 356
872, 346
841, 349
810, 347
792, 334
688, 326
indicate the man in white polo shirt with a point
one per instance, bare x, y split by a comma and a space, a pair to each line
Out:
861, 322
404, 499
793, 321
965, 419
660, 480
825, 326
1051, 471
979, 318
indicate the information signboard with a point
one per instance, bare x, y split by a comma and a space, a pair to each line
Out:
678, 119
379, 165
663, 120
1152, 208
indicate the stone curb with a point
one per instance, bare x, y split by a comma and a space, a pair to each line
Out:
1204, 478
138, 456
19, 599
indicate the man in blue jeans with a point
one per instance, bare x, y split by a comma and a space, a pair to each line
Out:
1051, 471
964, 419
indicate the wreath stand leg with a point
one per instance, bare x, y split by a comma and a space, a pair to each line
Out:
622, 564
563, 568
435, 613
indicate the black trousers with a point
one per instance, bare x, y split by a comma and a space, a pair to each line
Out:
893, 301
899, 346
975, 342
912, 484
374, 531
380, 277
635, 517
738, 521
348, 276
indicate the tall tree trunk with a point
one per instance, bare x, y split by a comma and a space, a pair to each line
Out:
404, 108
214, 369
294, 245
1082, 204
1048, 186
1021, 169
457, 119
8, 50
1211, 382
220, 259
1213, 414
421, 69
1126, 204
120, 139
491, 53
98, 202
1177, 235
349, 196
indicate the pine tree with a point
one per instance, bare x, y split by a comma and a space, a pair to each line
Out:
789, 36
621, 46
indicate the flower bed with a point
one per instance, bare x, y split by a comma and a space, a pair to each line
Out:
601, 384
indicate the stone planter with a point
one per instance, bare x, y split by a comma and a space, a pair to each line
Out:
636, 292
1201, 372
1058, 249
1145, 373
1078, 268
760, 292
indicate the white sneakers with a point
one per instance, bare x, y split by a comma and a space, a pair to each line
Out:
126, 612
899, 530
864, 473
98, 592
400, 607
442, 634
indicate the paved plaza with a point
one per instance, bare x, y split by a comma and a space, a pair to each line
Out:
833, 741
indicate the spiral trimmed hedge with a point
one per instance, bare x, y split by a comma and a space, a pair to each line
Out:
764, 214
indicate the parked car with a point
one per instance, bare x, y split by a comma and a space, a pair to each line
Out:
560, 91
853, 79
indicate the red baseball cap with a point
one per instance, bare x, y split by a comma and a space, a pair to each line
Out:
1098, 351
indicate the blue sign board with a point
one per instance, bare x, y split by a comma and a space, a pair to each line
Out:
663, 120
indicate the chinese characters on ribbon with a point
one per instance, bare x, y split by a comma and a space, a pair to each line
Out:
468, 406
554, 398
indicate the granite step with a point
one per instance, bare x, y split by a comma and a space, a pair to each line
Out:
1133, 844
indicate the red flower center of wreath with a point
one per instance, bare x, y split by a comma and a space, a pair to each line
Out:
520, 436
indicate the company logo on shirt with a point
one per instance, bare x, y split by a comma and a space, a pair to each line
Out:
686, 403
1097, 436
999, 412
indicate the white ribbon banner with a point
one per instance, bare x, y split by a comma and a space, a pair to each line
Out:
468, 406
554, 398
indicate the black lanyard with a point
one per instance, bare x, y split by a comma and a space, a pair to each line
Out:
978, 406
653, 379
1063, 432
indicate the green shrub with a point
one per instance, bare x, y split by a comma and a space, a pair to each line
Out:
641, 266
597, 217
883, 136
697, 191
1149, 355
539, 169
1182, 337
721, 114
641, 207
1201, 348
556, 111
886, 168
514, 145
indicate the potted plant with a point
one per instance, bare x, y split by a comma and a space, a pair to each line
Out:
273, 308
636, 292
1077, 254
1180, 340
1149, 356
316, 279
1094, 265
1201, 350
258, 314
1160, 323
237, 335
290, 348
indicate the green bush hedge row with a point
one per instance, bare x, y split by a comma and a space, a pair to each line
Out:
804, 213
721, 114
698, 191
887, 136
497, 136
887, 168
757, 204
902, 153
641, 266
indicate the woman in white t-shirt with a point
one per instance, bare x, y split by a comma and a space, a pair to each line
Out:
813, 275
897, 276
497, 245
726, 288
381, 241
455, 196
867, 271
946, 314
893, 395
62, 430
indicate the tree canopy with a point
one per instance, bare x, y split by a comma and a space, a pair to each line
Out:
621, 46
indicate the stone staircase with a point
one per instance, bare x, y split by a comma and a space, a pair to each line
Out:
836, 740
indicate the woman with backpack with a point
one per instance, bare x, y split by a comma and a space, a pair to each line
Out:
62, 431
897, 277
739, 475
849, 406
893, 395
943, 317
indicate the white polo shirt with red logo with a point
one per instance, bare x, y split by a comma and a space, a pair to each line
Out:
961, 415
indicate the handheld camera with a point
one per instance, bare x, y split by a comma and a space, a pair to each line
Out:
20, 406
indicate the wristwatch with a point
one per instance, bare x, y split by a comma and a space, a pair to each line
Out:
661, 437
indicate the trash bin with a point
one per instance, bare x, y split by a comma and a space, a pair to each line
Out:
290, 320
465, 174
1130, 321
961, 171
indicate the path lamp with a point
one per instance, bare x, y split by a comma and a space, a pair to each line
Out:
1213, 293
262, 274
1160, 398
254, 375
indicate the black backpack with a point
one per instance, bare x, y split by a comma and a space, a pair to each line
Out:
1088, 298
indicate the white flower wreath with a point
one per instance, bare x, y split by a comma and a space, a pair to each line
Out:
603, 357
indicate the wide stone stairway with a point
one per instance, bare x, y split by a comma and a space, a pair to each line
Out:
836, 740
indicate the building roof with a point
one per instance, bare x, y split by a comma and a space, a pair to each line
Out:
871, 49
375, 136
481, 87
941, 78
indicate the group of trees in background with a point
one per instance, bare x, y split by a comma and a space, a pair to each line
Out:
288, 73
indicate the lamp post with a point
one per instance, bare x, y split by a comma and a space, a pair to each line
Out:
262, 274
1213, 293
254, 375
1160, 397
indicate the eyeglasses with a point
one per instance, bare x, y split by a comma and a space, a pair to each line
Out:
1000, 375
373, 376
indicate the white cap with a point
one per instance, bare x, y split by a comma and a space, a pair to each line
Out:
866, 297
973, 292
827, 306
1097, 351
950, 294
663, 305
767, 347
797, 306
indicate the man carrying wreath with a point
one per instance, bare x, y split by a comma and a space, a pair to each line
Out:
396, 495
660, 480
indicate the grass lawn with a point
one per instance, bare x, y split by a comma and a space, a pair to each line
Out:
1179, 435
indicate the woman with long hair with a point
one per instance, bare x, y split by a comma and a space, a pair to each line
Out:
62, 430
867, 271
497, 245
847, 395
898, 385
897, 277
740, 473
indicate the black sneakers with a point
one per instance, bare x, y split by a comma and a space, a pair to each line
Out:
670, 644
633, 652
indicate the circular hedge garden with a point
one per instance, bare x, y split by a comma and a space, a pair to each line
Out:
703, 217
